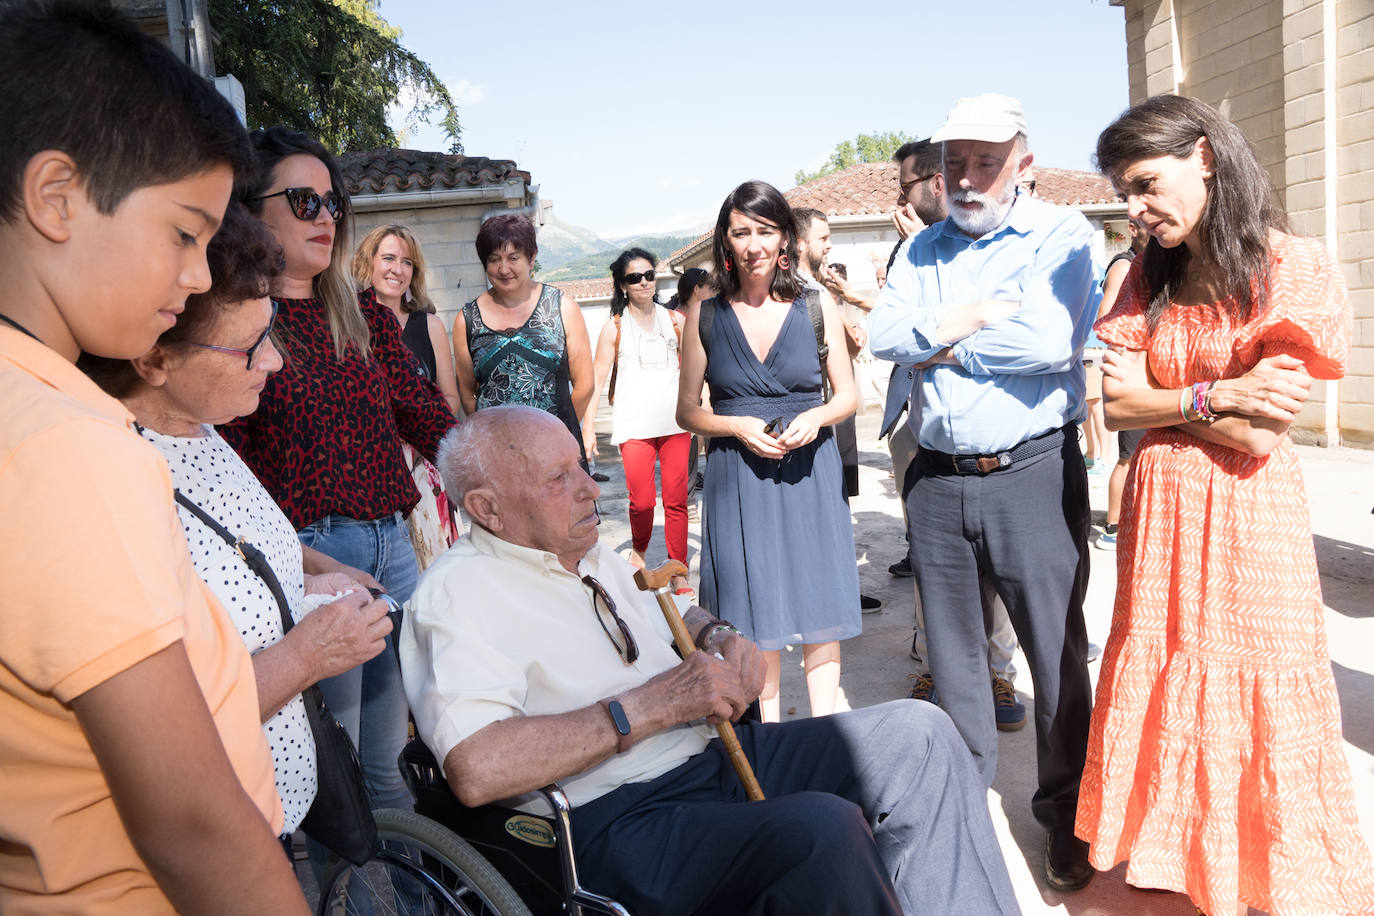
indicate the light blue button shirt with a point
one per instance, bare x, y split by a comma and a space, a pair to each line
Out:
1021, 375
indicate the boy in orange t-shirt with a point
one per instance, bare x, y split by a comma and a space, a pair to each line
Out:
136, 775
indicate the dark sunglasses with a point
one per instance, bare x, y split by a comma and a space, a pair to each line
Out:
906, 188
629, 651
305, 203
251, 351
632, 279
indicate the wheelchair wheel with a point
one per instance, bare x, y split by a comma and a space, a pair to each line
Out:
423, 869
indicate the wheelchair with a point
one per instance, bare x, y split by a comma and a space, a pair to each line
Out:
447, 859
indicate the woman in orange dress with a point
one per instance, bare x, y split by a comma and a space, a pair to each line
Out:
1215, 762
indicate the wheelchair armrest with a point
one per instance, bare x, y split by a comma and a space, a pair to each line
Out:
578, 895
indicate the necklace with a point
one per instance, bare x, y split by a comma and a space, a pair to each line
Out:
19, 327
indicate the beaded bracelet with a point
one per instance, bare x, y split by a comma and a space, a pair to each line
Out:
1202, 400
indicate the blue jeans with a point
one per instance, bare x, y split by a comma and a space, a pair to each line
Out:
369, 701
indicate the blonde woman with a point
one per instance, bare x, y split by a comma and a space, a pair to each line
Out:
390, 263
390, 260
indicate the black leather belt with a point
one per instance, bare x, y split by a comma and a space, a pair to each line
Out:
943, 463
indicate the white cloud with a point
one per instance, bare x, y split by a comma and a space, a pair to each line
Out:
467, 93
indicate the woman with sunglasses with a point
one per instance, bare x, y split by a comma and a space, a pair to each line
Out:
210, 367
777, 554
390, 263
638, 350
326, 438
521, 342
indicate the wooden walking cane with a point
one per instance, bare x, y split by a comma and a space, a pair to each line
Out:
658, 582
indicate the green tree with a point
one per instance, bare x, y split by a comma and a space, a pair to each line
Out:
863, 148
331, 68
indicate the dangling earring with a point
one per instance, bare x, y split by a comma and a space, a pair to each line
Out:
784, 262
729, 264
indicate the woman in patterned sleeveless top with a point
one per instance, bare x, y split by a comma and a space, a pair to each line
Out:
520, 342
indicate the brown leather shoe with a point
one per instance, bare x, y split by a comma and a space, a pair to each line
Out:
1066, 861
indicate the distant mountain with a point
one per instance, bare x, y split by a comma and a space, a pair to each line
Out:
560, 243
597, 264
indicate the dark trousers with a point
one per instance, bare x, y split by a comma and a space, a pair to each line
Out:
853, 800
1026, 529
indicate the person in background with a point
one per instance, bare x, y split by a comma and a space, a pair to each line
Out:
391, 263
813, 244
695, 287
777, 542
137, 778
1215, 763
177, 391
638, 350
521, 342
326, 438
390, 260
1127, 440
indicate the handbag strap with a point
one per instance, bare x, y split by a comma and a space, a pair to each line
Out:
250, 555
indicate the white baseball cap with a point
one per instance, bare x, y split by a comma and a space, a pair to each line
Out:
990, 117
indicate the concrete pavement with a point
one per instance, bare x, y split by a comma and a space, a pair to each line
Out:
1340, 484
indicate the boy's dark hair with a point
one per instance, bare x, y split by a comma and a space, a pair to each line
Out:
78, 76
243, 258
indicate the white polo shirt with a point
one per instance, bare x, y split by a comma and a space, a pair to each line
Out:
495, 630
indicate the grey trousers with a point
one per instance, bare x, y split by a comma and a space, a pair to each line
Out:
879, 810
1002, 640
1026, 529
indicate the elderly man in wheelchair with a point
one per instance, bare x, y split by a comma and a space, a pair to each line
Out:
529, 656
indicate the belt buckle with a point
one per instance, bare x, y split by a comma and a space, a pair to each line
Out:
989, 463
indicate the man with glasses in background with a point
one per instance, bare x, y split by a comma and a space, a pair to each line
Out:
529, 656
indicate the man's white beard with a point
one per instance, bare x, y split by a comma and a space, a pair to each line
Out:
986, 218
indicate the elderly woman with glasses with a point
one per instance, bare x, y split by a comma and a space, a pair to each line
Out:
326, 438
638, 350
210, 367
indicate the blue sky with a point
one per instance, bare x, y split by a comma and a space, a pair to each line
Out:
642, 117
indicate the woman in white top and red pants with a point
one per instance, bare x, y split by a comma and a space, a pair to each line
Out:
638, 350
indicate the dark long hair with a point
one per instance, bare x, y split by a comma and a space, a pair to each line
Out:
334, 285
618, 298
1240, 211
762, 201
687, 284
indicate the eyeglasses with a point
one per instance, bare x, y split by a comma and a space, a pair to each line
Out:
629, 651
251, 351
907, 186
632, 279
305, 203
1029, 187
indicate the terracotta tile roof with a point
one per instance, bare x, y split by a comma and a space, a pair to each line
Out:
379, 171
870, 189
1071, 187
866, 188
600, 288
691, 246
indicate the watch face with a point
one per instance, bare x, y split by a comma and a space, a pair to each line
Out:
622, 722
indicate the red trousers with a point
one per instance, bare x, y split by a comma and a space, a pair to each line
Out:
638, 457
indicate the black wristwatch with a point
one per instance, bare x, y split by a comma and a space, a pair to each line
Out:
621, 723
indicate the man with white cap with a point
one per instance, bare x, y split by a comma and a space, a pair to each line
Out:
992, 306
